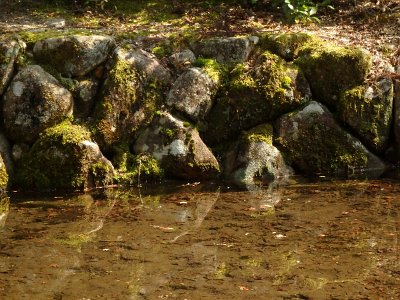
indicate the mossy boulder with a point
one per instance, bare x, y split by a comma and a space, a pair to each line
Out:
75, 55
178, 147
331, 69
34, 101
368, 111
253, 158
4, 177
10, 51
148, 66
256, 94
192, 94
128, 101
226, 50
182, 60
85, 92
286, 45
314, 143
64, 157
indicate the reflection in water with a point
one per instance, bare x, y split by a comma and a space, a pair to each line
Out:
335, 240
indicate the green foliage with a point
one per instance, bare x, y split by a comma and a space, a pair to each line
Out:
301, 10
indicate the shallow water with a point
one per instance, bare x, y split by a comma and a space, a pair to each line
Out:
325, 240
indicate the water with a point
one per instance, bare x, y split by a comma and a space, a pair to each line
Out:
325, 240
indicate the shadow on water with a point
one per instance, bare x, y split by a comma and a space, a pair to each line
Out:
318, 240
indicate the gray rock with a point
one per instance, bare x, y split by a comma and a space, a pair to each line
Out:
34, 101
368, 111
226, 50
396, 123
192, 93
183, 59
146, 64
315, 144
74, 56
178, 147
253, 158
9, 52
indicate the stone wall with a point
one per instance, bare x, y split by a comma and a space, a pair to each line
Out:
84, 111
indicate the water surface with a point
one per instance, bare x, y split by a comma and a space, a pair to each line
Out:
324, 240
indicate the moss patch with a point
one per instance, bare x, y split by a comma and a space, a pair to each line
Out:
261, 133
215, 70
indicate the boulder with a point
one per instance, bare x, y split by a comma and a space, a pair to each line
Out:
3, 176
75, 55
64, 157
286, 45
368, 111
226, 50
192, 94
314, 143
256, 94
396, 123
34, 101
127, 101
147, 64
9, 52
179, 148
253, 158
183, 59
330, 70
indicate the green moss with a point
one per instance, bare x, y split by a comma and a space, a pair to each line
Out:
261, 133
215, 70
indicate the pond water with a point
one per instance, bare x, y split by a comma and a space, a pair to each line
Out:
321, 240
